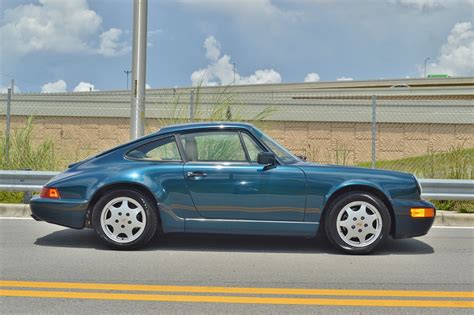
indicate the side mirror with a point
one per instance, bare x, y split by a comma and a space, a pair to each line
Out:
302, 157
266, 158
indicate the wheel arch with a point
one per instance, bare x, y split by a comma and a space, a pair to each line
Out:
121, 185
365, 188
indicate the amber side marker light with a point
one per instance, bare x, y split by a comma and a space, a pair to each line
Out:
422, 212
49, 192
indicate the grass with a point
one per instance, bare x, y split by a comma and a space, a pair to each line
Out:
456, 163
226, 106
455, 205
22, 154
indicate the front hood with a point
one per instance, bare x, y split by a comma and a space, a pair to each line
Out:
353, 169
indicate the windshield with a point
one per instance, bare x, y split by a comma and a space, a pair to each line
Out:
283, 154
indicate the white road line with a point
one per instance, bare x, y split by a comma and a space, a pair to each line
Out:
16, 218
451, 227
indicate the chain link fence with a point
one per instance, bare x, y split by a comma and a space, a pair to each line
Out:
426, 131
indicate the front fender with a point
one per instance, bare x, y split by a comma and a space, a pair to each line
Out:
359, 182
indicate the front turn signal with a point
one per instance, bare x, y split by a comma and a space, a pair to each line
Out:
422, 212
50, 192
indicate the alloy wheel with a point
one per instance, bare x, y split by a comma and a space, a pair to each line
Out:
123, 220
359, 224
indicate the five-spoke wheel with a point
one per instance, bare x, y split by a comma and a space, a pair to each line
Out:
125, 219
357, 222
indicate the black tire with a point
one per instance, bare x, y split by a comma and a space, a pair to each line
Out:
331, 228
150, 212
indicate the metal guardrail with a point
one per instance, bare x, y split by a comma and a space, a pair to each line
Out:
433, 189
24, 181
447, 189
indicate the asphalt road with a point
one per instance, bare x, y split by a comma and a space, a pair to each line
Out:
50, 269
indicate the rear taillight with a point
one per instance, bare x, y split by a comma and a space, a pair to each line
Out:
50, 192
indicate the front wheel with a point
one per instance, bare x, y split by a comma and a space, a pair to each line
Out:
357, 223
124, 219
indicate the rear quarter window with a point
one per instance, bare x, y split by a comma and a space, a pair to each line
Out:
161, 150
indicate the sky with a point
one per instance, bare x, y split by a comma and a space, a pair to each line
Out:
78, 45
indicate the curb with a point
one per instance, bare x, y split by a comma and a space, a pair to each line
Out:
443, 218
449, 218
14, 210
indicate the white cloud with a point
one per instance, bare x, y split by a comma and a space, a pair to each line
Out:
431, 4
344, 79
220, 71
213, 48
457, 54
110, 44
261, 77
59, 86
84, 87
56, 26
312, 77
147, 86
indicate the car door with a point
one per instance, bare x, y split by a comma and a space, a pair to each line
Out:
225, 182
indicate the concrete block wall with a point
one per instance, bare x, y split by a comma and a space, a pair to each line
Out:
76, 138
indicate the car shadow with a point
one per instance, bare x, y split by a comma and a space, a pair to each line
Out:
230, 243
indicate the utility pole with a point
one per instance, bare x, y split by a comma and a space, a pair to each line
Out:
137, 112
127, 72
13, 85
426, 59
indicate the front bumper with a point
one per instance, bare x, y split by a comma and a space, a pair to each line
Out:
405, 225
70, 212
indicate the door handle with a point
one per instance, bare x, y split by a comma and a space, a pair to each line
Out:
196, 174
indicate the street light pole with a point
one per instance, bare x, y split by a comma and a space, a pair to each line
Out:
137, 112
426, 59
234, 71
127, 72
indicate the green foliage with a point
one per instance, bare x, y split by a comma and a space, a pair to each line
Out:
223, 147
340, 156
221, 106
456, 163
455, 205
23, 155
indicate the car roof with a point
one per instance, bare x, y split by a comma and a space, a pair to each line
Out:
204, 125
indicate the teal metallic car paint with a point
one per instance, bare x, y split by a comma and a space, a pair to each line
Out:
241, 198
66, 212
246, 192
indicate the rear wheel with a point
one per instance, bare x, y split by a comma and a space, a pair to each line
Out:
124, 219
357, 223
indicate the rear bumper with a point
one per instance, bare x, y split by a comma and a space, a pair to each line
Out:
70, 213
405, 225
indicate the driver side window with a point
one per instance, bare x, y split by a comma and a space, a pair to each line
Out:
218, 146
